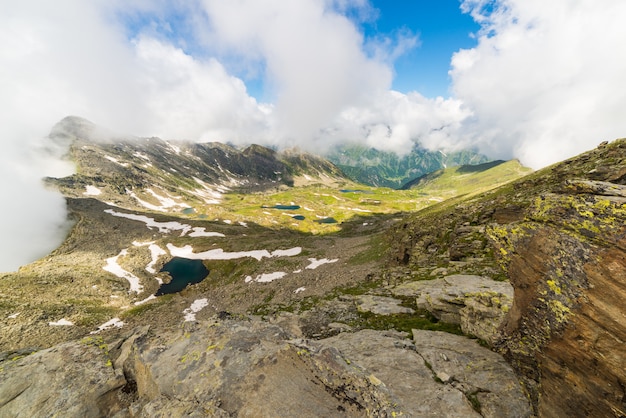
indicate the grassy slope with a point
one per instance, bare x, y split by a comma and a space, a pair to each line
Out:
320, 200
462, 180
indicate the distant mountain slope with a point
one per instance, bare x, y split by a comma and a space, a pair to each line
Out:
153, 173
379, 168
466, 179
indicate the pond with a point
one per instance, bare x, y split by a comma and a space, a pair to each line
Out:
327, 221
183, 272
298, 217
282, 207
188, 211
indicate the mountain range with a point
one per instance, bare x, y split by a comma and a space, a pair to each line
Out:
388, 169
205, 280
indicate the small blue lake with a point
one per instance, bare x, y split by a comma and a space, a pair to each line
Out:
184, 272
327, 221
298, 218
188, 211
283, 207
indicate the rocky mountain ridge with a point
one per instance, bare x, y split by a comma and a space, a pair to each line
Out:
149, 173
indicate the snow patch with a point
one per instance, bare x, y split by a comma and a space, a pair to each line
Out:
141, 155
315, 263
92, 191
13, 316
113, 267
141, 302
356, 209
206, 193
142, 244
196, 306
173, 147
167, 202
115, 160
219, 254
266, 277
155, 252
163, 227
115, 322
202, 232
61, 323
300, 289
287, 253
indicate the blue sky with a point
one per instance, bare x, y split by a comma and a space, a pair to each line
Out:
442, 29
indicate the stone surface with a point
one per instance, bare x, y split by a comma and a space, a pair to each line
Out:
479, 373
380, 305
250, 368
477, 303
403, 371
74, 379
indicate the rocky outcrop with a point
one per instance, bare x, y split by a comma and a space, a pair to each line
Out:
475, 381
482, 375
256, 369
559, 237
477, 303
74, 379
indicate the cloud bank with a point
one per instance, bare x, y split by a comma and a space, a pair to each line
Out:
544, 82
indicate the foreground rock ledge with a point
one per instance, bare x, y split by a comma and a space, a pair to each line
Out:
255, 369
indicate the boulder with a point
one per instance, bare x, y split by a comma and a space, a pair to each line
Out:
479, 304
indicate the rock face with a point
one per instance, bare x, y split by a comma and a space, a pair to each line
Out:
559, 237
256, 369
54, 381
482, 375
477, 303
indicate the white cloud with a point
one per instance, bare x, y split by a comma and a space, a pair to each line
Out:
190, 99
546, 80
313, 56
394, 121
